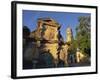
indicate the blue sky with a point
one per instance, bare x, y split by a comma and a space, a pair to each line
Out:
65, 19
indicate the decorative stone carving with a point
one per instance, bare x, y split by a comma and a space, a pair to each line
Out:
50, 39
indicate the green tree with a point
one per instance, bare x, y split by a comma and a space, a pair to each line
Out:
26, 32
83, 34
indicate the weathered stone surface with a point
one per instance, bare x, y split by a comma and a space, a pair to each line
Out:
48, 34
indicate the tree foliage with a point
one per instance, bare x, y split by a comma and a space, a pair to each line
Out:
26, 31
83, 34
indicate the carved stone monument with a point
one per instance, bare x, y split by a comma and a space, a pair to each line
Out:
69, 35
